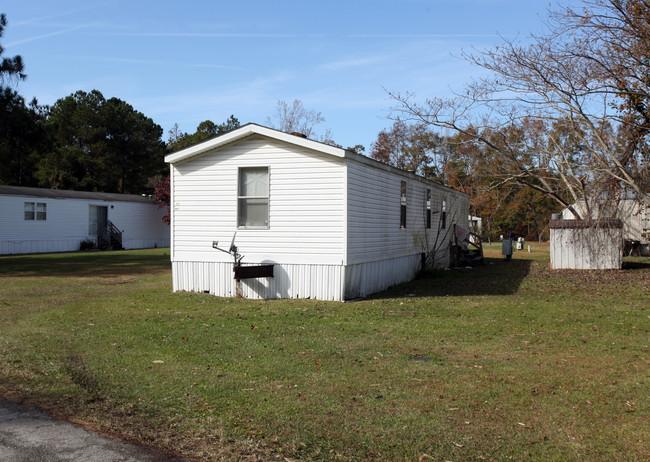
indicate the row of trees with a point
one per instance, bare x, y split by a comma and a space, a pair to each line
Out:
83, 142
564, 117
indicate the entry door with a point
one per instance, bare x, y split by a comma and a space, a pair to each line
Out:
97, 220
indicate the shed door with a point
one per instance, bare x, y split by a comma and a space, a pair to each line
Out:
97, 220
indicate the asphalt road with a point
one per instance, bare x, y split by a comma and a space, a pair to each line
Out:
30, 435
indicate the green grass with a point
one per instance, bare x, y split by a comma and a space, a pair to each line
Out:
506, 361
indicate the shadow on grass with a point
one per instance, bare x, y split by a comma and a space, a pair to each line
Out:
495, 277
86, 263
636, 263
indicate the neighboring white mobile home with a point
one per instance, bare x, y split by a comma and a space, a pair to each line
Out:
634, 214
36, 220
475, 224
331, 224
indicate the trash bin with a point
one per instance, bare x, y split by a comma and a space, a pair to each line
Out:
506, 248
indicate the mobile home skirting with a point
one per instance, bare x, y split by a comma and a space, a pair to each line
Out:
367, 278
321, 282
25, 246
21, 246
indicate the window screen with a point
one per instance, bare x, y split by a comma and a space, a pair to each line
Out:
443, 215
428, 208
402, 208
41, 211
253, 197
30, 210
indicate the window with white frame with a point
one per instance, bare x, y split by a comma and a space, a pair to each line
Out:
402, 205
30, 210
35, 211
428, 208
253, 197
41, 211
443, 215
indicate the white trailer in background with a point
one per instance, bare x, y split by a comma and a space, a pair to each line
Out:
36, 220
633, 213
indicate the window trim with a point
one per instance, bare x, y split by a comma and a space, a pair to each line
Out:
30, 208
443, 215
427, 204
41, 215
402, 205
37, 211
267, 197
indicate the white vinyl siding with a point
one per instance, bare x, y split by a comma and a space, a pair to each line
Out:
306, 204
374, 231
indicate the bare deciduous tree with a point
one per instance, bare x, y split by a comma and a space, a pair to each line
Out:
294, 118
566, 114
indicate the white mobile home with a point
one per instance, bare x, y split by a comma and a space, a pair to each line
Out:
38, 220
331, 224
634, 214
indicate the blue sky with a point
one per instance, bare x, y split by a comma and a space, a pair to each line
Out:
184, 62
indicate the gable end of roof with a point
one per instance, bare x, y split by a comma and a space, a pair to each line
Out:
245, 131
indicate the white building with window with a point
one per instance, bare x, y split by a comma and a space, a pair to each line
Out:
332, 224
36, 220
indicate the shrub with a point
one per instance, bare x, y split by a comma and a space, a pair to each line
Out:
87, 244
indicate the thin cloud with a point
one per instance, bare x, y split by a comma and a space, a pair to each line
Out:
293, 36
51, 34
58, 15
163, 63
216, 35
409, 57
421, 36
354, 62
245, 95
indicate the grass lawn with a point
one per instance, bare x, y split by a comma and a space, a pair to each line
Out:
506, 361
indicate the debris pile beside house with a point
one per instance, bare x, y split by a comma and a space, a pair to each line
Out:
468, 248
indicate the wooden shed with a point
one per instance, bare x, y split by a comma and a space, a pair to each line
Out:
586, 244
38, 220
332, 224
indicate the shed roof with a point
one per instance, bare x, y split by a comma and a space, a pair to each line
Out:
606, 223
64, 194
